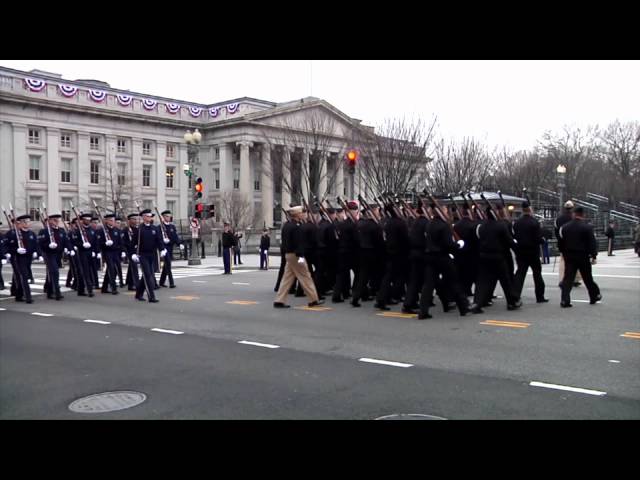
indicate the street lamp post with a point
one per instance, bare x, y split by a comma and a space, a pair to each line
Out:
193, 142
561, 170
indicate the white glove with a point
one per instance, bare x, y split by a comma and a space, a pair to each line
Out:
301, 260
99, 256
40, 259
93, 254
181, 247
22, 251
75, 248
3, 261
35, 255
460, 243
515, 241
166, 240
7, 256
108, 243
135, 258
53, 245
72, 253
163, 252
86, 245
66, 251
123, 255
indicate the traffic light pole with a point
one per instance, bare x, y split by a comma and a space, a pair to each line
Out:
194, 258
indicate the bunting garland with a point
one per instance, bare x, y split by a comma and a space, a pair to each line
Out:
34, 84
232, 107
125, 100
213, 111
172, 108
68, 90
149, 104
97, 95
195, 111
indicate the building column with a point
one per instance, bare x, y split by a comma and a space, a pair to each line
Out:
136, 169
182, 183
266, 182
245, 168
286, 180
20, 167
226, 168
322, 187
111, 169
83, 169
161, 175
7, 179
304, 174
339, 190
53, 169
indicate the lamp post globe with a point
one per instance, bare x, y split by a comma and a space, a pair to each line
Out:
188, 136
197, 136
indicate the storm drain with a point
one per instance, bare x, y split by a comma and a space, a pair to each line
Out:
410, 416
107, 402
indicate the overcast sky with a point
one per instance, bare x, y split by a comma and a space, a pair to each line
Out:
502, 102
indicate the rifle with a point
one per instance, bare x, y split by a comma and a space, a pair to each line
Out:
46, 225
443, 216
164, 231
11, 221
406, 208
124, 216
478, 210
138, 252
286, 214
83, 234
526, 195
507, 215
466, 205
104, 227
455, 205
424, 207
367, 208
346, 209
493, 212
310, 217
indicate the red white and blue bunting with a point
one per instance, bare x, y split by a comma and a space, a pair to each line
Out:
97, 95
149, 104
214, 111
195, 111
125, 100
232, 107
34, 84
68, 90
172, 108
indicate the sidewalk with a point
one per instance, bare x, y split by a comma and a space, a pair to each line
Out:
250, 261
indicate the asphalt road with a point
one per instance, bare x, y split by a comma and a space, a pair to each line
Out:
455, 367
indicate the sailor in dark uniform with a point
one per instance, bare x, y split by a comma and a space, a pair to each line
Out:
22, 246
528, 234
111, 247
174, 239
84, 238
149, 243
130, 240
53, 243
3, 257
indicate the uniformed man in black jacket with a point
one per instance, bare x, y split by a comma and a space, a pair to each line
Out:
111, 246
265, 244
369, 240
166, 222
466, 260
130, 237
611, 235
396, 234
580, 251
528, 234
326, 257
149, 243
347, 254
565, 217
228, 241
494, 238
439, 244
52, 249
3, 257
309, 246
22, 247
417, 245
85, 240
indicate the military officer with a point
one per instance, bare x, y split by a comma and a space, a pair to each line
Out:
111, 246
130, 241
149, 243
53, 242
173, 239
22, 245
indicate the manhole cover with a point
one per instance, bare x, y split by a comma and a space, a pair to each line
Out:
409, 416
107, 402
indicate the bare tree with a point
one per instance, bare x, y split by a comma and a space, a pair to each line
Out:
315, 131
620, 150
236, 209
465, 165
394, 156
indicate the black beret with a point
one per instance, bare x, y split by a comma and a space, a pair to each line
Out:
525, 205
578, 210
86, 215
147, 211
132, 215
55, 215
166, 212
110, 215
23, 217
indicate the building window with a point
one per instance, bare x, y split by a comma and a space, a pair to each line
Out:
216, 178
146, 148
122, 145
94, 172
146, 175
34, 207
171, 151
256, 182
66, 209
217, 153
65, 141
34, 136
236, 178
171, 171
147, 204
65, 170
34, 168
122, 174
171, 206
94, 143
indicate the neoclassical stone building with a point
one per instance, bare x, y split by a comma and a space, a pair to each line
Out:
77, 141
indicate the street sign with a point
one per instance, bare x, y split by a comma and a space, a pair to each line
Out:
195, 227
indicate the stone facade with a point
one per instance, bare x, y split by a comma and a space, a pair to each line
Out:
60, 145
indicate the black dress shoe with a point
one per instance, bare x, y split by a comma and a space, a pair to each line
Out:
115, 292
28, 301
90, 294
464, 311
576, 284
514, 306
565, 305
475, 308
424, 316
381, 307
172, 286
597, 299
337, 300
542, 300
355, 304
59, 297
316, 303
82, 294
408, 310
131, 289
140, 299
163, 286
280, 305
153, 300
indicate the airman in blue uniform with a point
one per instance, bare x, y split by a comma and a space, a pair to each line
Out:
22, 245
53, 242
169, 238
112, 250
148, 243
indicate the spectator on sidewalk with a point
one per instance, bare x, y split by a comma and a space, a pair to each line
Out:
236, 248
228, 241
636, 239
611, 235
265, 243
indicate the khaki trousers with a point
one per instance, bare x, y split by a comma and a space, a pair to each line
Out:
561, 271
293, 270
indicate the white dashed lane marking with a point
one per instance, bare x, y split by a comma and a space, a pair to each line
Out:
162, 330
240, 283
101, 322
43, 314
385, 362
265, 345
569, 389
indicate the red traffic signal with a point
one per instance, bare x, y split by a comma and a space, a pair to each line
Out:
352, 157
200, 207
199, 187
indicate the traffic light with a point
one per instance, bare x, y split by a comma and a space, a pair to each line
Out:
199, 188
212, 211
199, 210
352, 159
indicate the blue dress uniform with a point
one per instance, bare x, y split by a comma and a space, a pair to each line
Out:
97, 258
130, 242
111, 250
86, 254
174, 239
21, 257
52, 249
149, 242
3, 252
119, 262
